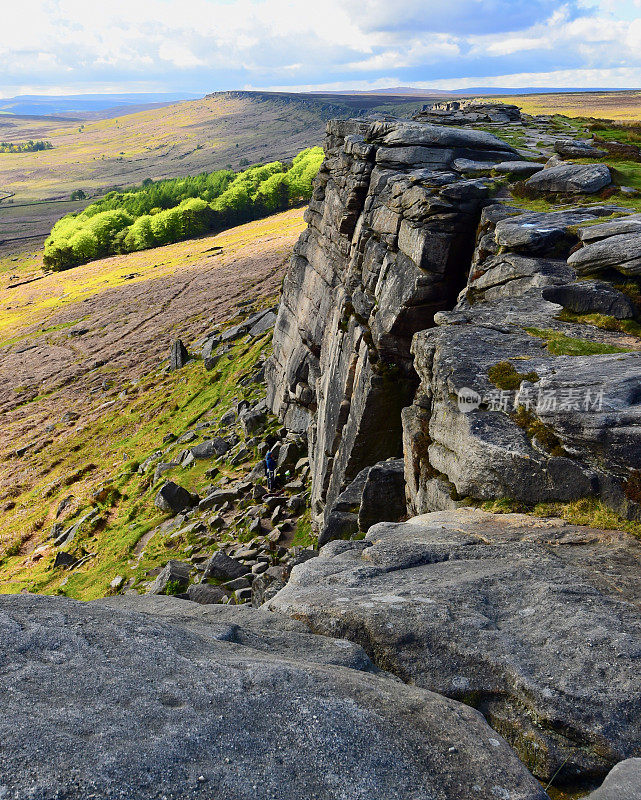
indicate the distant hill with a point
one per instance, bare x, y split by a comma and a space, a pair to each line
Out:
493, 90
88, 106
410, 91
225, 129
395, 91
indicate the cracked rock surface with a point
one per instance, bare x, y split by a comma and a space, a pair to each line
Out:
391, 232
535, 622
186, 702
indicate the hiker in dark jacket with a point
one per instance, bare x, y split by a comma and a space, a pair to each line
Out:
270, 470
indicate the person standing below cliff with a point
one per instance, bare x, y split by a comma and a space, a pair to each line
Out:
270, 470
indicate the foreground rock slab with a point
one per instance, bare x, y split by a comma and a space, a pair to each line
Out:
205, 703
622, 783
535, 622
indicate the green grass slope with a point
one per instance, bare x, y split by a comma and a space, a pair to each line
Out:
132, 428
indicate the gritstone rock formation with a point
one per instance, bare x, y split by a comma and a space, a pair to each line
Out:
534, 622
397, 228
558, 412
391, 233
186, 701
438, 346
496, 348
465, 112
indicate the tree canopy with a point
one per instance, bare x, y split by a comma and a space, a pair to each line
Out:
25, 147
161, 212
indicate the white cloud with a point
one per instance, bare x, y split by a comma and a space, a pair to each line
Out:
621, 78
516, 44
211, 44
179, 55
429, 50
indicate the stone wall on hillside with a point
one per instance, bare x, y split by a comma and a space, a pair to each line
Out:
391, 234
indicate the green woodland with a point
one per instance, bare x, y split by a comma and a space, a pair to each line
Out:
162, 212
25, 147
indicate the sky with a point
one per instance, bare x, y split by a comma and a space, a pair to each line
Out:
200, 46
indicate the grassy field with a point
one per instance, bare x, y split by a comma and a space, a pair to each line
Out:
28, 224
84, 389
622, 106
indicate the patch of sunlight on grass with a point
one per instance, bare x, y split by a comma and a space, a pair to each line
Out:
25, 309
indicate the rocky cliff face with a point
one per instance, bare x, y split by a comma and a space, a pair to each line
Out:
555, 411
406, 240
391, 234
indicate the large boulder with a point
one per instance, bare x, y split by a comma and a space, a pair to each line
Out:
173, 578
211, 448
572, 179
108, 703
621, 252
179, 355
551, 235
577, 148
521, 169
465, 112
341, 519
253, 419
222, 567
537, 430
174, 498
205, 594
622, 223
383, 498
591, 297
534, 622
218, 498
262, 324
377, 494
255, 325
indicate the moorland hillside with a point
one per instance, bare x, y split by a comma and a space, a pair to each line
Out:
88, 158
86, 392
